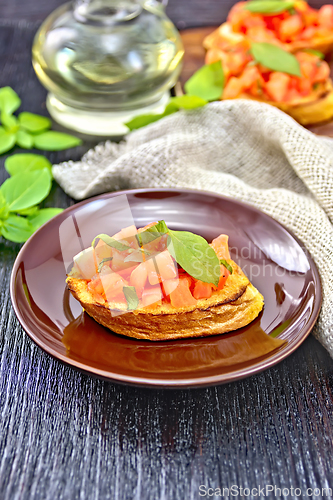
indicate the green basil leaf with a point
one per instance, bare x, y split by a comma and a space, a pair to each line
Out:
195, 256
9, 121
111, 242
103, 261
226, 265
26, 189
43, 215
131, 297
207, 82
274, 58
7, 141
269, 6
34, 123
315, 53
55, 141
24, 140
9, 100
24, 162
17, 229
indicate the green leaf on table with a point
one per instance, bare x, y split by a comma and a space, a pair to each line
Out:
4, 211
24, 140
274, 58
34, 123
188, 102
111, 242
17, 229
9, 121
28, 211
175, 104
9, 100
269, 6
55, 141
27, 189
24, 162
43, 215
207, 82
143, 120
7, 141
131, 297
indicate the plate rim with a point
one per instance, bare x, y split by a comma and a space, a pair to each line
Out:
160, 383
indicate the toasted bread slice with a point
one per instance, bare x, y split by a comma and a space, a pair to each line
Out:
233, 307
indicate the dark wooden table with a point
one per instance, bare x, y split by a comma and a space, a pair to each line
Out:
66, 435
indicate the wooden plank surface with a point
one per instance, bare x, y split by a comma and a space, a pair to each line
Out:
66, 435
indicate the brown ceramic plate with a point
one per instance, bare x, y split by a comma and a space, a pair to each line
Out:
275, 261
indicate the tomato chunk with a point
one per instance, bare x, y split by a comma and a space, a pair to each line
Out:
220, 245
277, 86
161, 268
202, 290
179, 292
139, 277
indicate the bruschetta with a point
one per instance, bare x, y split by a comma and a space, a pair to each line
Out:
308, 98
146, 284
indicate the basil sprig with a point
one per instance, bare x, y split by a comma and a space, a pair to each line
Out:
226, 265
28, 130
131, 297
191, 252
269, 6
29, 184
111, 242
275, 58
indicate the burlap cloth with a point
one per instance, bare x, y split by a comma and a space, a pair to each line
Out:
243, 149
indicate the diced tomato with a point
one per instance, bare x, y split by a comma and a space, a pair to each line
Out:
322, 72
325, 16
237, 61
161, 268
277, 86
310, 17
96, 289
126, 273
237, 15
220, 245
102, 251
85, 261
260, 34
112, 285
223, 277
290, 28
180, 293
139, 277
250, 76
233, 88
308, 33
254, 21
152, 296
202, 290
273, 22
